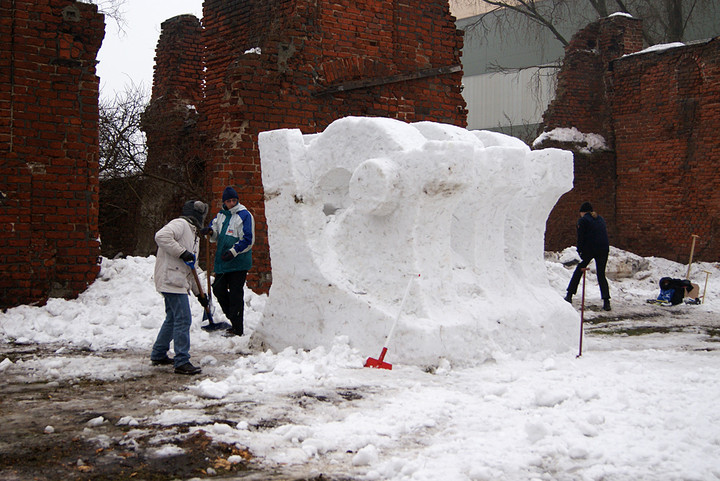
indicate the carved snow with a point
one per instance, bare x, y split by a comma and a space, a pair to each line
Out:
358, 210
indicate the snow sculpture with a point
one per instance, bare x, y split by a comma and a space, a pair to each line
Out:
357, 211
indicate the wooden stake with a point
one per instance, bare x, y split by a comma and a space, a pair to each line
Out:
707, 274
692, 251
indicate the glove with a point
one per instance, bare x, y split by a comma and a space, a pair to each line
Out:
228, 256
203, 300
188, 258
206, 231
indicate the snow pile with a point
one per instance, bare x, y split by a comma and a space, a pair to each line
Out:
357, 213
587, 143
632, 407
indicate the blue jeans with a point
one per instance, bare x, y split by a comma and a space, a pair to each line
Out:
176, 328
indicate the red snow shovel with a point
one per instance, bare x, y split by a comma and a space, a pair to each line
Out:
379, 363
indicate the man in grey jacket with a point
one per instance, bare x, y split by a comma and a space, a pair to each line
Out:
178, 247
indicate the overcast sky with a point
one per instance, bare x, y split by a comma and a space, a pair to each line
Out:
128, 57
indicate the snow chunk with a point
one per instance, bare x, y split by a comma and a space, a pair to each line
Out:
366, 456
94, 422
6, 363
211, 389
166, 451
127, 421
588, 143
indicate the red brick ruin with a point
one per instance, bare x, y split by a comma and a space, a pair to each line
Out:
261, 65
49, 146
659, 113
273, 64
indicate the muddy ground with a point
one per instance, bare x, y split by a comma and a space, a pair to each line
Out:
69, 452
30, 403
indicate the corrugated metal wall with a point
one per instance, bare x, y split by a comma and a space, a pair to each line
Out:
499, 100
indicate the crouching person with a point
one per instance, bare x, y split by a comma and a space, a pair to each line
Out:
178, 246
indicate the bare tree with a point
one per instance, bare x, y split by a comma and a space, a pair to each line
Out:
123, 149
663, 20
111, 9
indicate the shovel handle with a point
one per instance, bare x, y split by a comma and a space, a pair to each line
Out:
207, 264
199, 285
400, 310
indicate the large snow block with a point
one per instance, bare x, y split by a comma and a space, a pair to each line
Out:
357, 212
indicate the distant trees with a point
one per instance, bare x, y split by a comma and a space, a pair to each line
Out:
123, 149
663, 20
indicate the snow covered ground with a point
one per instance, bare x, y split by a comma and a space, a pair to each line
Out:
641, 402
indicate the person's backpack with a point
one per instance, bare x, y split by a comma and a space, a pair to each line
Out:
674, 290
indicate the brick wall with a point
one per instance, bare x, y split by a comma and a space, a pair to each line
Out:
583, 100
49, 148
658, 113
302, 64
666, 111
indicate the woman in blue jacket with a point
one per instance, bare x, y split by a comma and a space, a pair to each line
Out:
592, 243
234, 231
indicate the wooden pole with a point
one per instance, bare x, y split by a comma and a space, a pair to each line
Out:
692, 251
707, 274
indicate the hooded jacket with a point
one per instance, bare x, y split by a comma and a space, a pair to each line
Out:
172, 275
233, 230
592, 236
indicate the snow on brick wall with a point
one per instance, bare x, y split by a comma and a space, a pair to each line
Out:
657, 111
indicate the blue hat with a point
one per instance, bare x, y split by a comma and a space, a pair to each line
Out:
229, 193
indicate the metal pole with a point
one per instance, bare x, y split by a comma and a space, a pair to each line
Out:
582, 313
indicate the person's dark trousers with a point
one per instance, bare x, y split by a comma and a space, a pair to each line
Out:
600, 263
228, 290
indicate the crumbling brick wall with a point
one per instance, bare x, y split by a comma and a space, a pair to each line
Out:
583, 100
666, 112
658, 114
49, 148
274, 64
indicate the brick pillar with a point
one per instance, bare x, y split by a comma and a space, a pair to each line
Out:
275, 64
583, 100
49, 148
175, 170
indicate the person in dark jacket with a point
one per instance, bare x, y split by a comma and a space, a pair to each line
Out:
234, 231
592, 243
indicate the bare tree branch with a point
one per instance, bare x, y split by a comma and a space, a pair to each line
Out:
663, 20
122, 143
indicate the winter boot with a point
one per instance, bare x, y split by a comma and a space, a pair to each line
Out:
606, 304
569, 298
187, 368
162, 361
